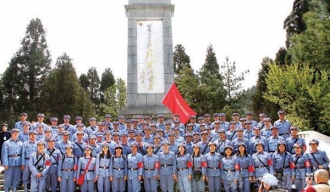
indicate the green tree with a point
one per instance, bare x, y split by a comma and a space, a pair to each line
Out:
107, 80
27, 71
84, 82
94, 86
312, 46
210, 94
121, 94
115, 98
295, 90
62, 93
259, 103
232, 83
180, 58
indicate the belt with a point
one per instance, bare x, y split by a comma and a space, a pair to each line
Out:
87, 170
166, 165
214, 168
54, 163
229, 170
149, 169
271, 151
118, 169
104, 167
243, 168
182, 169
259, 167
132, 169
27, 158
284, 134
16, 155
300, 167
67, 170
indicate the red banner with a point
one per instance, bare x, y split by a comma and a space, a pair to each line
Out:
175, 102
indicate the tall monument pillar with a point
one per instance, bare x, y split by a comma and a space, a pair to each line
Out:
149, 56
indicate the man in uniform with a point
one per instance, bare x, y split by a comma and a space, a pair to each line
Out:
54, 157
249, 116
92, 126
107, 121
19, 124
39, 165
68, 126
256, 138
79, 145
262, 161
231, 133
267, 126
283, 125
293, 139
248, 132
239, 139
96, 149
60, 145
40, 121
222, 142
135, 169
24, 135
121, 125
11, 158
262, 116
53, 126
29, 147
318, 159
204, 143
167, 169
223, 123
271, 142
213, 172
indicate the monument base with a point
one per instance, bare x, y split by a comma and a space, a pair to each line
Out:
151, 111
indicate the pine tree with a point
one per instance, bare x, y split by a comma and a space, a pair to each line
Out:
107, 80
84, 82
180, 58
62, 93
27, 71
232, 83
94, 85
121, 94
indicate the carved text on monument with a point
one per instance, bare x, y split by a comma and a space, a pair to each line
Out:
150, 67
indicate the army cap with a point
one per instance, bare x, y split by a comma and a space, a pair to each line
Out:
188, 135
314, 141
266, 120
262, 115
221, 131
134, 144
247, 123
80, 133
41, 143
168, 123
118, 146
222, 115
92, 137
156, 137
131, 131
25, 123
297, 145
14, 130
124, 135
23, 114
216, 115
88, 147
212, 143
248, 113
115, 133
150, 146
192, 117
78, 118
236, 114
92, 119
281, 112
80, 125
160, 116
107, 116
196, 133
52, 139
115, 123
40, 115
196, 145
201, 118
32, 133
69, 146
54, 119
228, 147
66, 117
207, 115
294, 128
171, 134
138, 133
48, 130
66, 133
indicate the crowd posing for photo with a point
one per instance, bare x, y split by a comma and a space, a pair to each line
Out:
134, 155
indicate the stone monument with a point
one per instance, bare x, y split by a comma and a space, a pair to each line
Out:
149, 56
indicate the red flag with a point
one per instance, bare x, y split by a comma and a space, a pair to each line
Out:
176, 103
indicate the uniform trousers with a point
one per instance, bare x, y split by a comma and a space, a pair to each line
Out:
118, 184
198, 186
103, 184
12, 177
230, 185
67, 185
150, 184
184, 183
38, 184
87, 186
244, 184
133, 185
214, 183
166, 183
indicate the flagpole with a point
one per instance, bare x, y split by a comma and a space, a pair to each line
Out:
162, 100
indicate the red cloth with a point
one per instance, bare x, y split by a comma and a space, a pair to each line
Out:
307, 164
292, 165
270, 162
251, 168
140, 164
189, 164
310, 189
204, 164
157, 166
176, 103
75, 167
48, 163
237, 167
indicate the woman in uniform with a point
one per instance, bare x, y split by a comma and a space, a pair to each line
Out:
67, 167
184, 166
198, 170
151, 169
87, 165
244, 168
103, 169
228, 170
301, 167
213, 174
118, 170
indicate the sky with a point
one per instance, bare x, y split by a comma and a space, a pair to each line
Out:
94, 33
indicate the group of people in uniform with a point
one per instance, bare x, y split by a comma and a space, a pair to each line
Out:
126, 154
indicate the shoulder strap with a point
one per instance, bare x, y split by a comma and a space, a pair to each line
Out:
79, 146
155, 152
315, 159
204, 150
262, 162
63, 158
232, 136
51, 154
284, 160
39, 159
220, 145
297, 160
293, 144
86, 168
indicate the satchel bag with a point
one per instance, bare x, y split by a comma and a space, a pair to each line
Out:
81, 178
